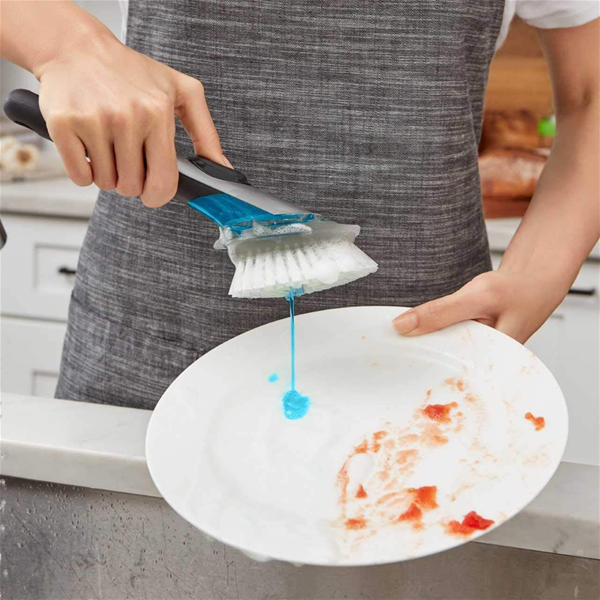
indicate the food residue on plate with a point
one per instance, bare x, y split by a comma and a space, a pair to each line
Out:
426, 496
378, 435
439, 412
356, 523
362, 448
381, 495
456, 384
413, 513
361, 493
471, 523
538, 422
395, 453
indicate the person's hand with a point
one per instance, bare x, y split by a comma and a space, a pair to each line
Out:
516, 304
100, 96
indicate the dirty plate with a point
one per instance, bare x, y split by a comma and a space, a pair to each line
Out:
411, 445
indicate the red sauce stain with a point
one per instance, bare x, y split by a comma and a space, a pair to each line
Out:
475, 521
439, 412
471, 522
378, 435
361, 493
343, 481
538, 422
383, 475
456, 528
432, 436
389, 445
413, 513
362, 448
406, 456
470, 398
457, 384
355, 524
426, 496
428, 395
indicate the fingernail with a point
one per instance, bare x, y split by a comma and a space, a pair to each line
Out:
406, 322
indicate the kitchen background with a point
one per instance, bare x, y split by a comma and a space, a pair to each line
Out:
46, 218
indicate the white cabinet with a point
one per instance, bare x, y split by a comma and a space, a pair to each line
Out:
38, 264
31, 353
37, 270
569, 345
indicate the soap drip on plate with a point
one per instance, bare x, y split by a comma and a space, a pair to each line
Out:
295, 405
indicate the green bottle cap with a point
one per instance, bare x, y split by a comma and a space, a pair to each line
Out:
547, 127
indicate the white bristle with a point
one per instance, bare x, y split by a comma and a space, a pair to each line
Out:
270, 267
248, 273
295, 274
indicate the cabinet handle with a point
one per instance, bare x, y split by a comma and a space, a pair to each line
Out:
66, 271
583, 291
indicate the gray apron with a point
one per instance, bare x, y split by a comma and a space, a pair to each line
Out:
365, 112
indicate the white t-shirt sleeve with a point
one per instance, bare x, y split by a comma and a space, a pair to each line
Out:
548, 14
553, 14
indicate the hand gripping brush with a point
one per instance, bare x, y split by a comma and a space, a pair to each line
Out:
275, 246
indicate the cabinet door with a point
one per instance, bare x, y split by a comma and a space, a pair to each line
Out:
38, 264
31, 352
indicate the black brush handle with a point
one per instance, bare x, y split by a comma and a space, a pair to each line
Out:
23, 107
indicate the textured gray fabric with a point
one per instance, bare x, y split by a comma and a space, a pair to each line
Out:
366, 112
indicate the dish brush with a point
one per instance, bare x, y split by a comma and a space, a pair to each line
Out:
276, 247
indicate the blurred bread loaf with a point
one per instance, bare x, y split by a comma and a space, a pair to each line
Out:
510, 129
510, 172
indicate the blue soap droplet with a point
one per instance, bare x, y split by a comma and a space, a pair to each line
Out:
273, 377
295, 405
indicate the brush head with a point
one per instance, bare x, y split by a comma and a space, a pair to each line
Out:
310, 256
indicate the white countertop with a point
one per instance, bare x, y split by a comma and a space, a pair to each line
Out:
501, 231
53, 197
99, 446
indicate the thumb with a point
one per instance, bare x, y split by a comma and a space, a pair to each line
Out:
192, 110
437, 314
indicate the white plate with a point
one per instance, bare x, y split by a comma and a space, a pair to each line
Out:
225, 458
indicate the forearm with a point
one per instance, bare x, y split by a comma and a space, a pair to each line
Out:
36, 32
104, 101
557, 233
562, 223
